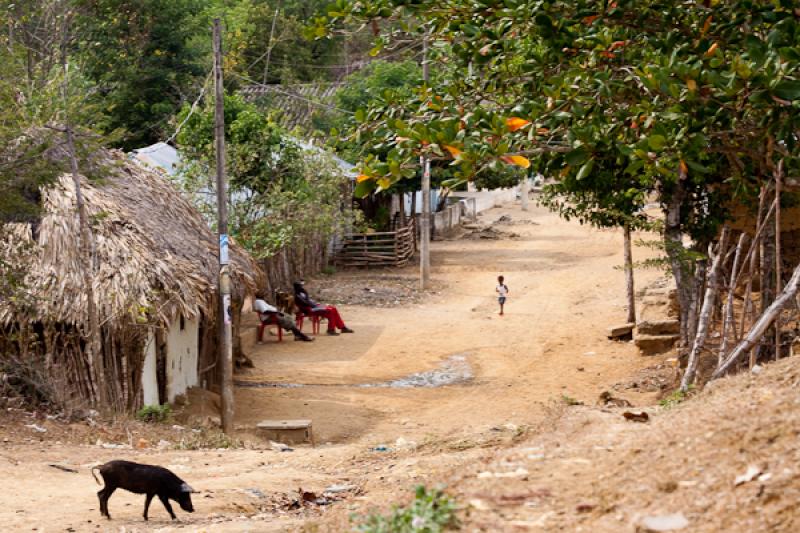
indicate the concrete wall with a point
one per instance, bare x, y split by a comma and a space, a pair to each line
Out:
149, 375
447, 219
181, 357
487, 199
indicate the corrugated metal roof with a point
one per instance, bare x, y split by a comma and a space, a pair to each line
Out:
296, 103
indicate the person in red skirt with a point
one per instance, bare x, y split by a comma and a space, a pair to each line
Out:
312, 308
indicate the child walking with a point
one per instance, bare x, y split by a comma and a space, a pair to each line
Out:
502, 292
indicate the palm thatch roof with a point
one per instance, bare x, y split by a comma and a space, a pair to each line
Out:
155, 257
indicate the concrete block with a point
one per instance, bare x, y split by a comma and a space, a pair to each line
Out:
287, 431
621, 331
655, 344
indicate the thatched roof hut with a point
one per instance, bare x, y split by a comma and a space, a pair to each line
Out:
155, 270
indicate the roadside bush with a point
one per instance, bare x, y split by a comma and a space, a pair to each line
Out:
154, 413
431, 511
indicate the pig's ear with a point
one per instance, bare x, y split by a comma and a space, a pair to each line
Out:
186, 488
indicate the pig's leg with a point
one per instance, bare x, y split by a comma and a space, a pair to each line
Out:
104, 495
147, 504
167, 506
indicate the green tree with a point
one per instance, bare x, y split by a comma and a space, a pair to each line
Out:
141, 56
688, 103
280, 195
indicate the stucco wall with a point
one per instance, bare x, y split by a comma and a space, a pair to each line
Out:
149, 376
181, 357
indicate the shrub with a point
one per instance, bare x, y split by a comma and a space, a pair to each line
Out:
154, 413
431, 511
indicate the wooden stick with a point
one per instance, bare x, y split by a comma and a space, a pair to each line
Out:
705, 312
727, 315
762, 324
778, 176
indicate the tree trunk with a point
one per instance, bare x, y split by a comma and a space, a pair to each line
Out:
705, 313
93, 344
629, 288
762, 324
673, 247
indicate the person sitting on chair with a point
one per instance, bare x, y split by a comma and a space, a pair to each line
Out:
270, 315
312, 308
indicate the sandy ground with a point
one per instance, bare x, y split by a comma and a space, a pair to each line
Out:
564, 293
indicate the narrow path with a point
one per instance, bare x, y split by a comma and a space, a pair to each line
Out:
565, 292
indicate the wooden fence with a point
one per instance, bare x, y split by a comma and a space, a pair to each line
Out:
387, 248
305, 258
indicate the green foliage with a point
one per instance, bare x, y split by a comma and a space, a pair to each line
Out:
432, 511
280, 195
569, 400
154, 413
675, 398
139, 55
617, 101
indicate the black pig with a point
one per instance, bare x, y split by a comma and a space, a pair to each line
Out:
143, 479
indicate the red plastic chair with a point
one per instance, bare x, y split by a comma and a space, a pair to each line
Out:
272, 322
315, 321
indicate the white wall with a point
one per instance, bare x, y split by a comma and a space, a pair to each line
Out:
149, 375
181, 357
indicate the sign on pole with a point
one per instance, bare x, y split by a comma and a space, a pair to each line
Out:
223, 249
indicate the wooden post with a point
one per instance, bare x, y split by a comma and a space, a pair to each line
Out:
425, 226
778, 175
225, 318
629, 275
524, 189
425, 221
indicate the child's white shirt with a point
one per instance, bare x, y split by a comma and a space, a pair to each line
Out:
502, 290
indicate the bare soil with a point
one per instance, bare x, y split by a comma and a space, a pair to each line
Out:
510, 440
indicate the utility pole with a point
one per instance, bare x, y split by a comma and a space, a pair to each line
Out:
225, 323
269, 44
425, 221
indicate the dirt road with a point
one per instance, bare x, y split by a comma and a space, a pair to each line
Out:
505, 371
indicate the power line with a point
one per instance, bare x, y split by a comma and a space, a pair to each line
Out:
185, 120
354, 64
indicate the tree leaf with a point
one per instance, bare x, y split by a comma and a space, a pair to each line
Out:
577, 156
585, 169
788, 89
517, 160
516, 123
656, 142
364, 188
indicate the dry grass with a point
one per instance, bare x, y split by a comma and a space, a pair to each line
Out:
155, 255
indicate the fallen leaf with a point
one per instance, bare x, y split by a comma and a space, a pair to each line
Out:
641, 416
